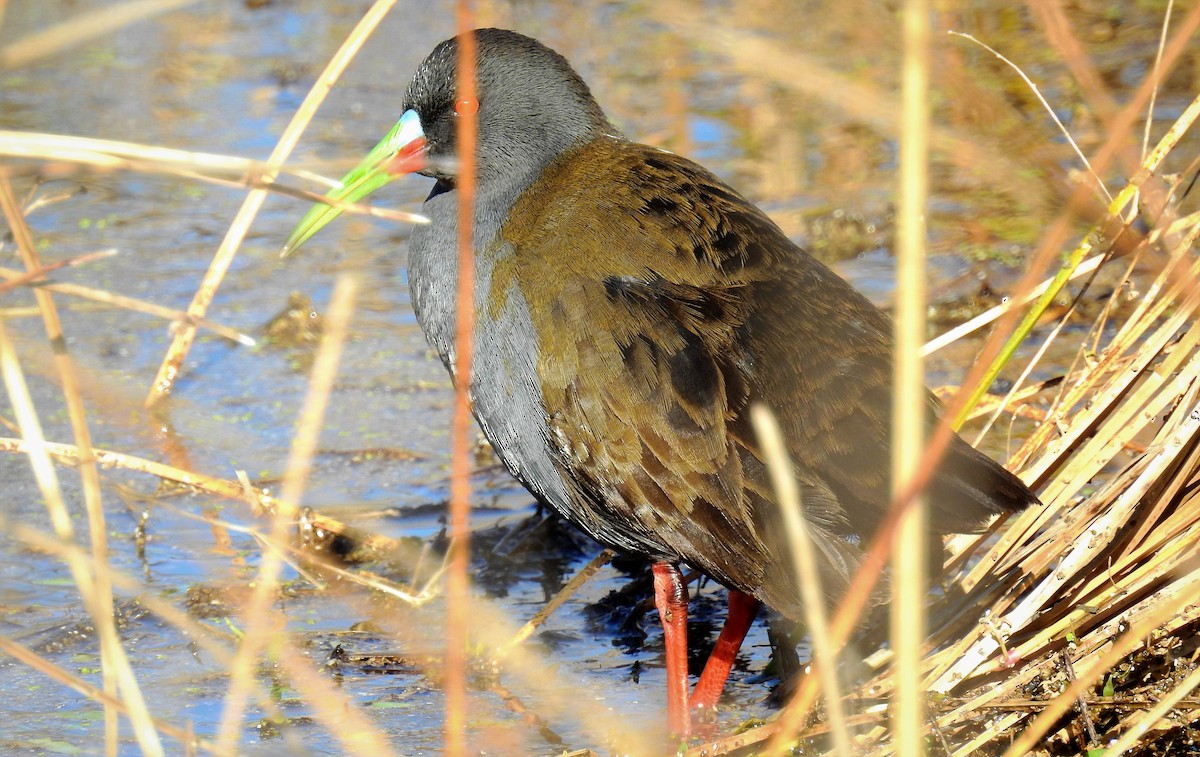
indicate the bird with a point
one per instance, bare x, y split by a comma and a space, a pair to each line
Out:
630, 308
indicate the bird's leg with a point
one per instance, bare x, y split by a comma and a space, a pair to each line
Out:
742, 609
671, 599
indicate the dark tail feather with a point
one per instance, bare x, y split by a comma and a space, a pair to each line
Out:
970, 488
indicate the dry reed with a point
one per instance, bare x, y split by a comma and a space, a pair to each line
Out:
458, 582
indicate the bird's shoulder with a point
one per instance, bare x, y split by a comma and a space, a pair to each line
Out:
616, 206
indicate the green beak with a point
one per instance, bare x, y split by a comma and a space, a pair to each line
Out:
401, 151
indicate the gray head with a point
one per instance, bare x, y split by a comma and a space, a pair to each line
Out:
532, 106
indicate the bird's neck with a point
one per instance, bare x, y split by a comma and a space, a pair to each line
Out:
433, 256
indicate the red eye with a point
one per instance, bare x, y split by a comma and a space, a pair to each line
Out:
466, 106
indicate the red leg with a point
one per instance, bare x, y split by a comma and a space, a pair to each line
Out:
671, 598
742, 609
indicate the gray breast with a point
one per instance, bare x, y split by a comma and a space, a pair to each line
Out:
505, 390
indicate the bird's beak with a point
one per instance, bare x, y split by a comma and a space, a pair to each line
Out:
402, 151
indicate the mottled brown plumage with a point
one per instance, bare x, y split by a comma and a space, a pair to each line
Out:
666, 303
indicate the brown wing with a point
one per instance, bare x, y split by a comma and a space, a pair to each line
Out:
645, 366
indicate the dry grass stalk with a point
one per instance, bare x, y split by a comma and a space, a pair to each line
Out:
209, 638
1058, 232
582, 576
98, 604
261, 631
991, 315
89, 473
260, 501
1162, 43
141, 306
296, 553
1113, 366
349, 725
172, 362
1150, 718
24, 279
62, 155
35, 661
1106, 572
787, 493
1097, 393
115, 155
458, 585
906, 612
206, 637
1049, 111
130, 303
1096, 574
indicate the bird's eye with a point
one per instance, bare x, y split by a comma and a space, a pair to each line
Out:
466, 106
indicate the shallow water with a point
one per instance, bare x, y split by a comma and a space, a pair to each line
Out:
226, 79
